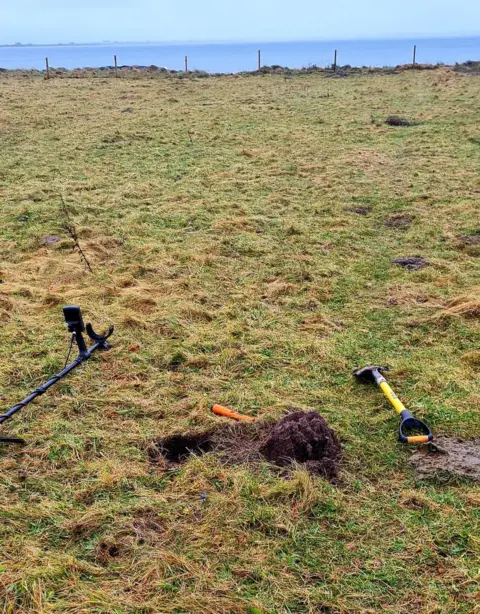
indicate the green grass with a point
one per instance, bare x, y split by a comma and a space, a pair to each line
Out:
214, 214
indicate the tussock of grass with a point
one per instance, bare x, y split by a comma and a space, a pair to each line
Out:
219, 219
467, 306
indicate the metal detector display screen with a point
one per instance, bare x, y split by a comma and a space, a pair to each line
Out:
73, 318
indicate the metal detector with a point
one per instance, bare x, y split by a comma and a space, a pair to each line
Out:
75, 325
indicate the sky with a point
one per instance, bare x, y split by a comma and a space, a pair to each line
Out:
55, 21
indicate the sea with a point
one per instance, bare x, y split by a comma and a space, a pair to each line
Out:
238, 57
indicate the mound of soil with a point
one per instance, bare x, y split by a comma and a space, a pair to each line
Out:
449, 457
305, 438
411, 264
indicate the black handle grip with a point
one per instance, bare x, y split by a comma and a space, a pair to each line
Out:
15, 440
410, 423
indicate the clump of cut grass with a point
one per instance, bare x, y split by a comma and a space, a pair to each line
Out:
461, 306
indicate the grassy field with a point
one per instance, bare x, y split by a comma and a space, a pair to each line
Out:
241, 232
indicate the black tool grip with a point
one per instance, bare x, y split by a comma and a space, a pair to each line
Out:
15, 440
410, 423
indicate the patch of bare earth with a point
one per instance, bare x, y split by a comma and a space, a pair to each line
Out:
449, 458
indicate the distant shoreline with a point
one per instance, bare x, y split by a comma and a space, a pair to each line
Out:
104, 44
239, 42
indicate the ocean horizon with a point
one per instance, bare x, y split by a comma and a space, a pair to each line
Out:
222, 57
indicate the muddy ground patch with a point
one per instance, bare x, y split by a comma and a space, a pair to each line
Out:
449, 458
470, 243
402, 222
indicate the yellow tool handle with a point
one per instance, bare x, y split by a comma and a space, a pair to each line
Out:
418, 439
228, 413
392, 397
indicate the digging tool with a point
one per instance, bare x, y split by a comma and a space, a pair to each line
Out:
408, 423
75, 325
219, 410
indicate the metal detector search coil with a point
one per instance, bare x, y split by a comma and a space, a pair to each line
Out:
75, 325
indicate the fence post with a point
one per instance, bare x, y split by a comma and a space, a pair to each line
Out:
259, 60
335, 61
48, 68
116, 65
414, 54
186, 65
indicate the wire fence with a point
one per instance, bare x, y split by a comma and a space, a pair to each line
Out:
333, 66
226, 58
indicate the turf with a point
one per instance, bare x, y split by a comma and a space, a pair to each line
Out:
219, 219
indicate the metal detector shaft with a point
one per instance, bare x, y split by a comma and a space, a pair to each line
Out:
75, 325
51, 382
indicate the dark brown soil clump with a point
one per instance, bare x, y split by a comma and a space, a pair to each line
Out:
304, 438
398, 221
394, 120
448, 458
411, 264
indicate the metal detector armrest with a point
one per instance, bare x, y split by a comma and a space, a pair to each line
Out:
101, 339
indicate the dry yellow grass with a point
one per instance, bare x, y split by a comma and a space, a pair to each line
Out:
218, 218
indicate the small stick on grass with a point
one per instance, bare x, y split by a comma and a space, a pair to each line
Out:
69, 227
